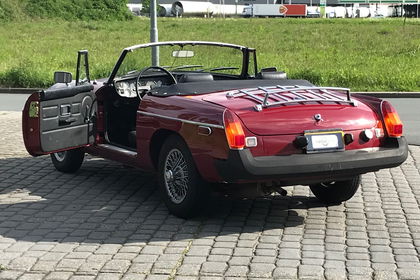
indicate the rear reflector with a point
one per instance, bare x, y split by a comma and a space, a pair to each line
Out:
234, 133
393, 124
251, 141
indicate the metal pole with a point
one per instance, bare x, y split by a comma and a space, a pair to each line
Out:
224, 12
402, 9
154, 32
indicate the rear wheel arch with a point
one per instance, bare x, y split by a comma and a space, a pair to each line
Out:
156, 143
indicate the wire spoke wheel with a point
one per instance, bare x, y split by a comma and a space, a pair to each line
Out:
180, 184
68, 161
327, 184
60, 156
176, 176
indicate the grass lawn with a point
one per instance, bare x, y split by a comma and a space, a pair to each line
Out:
363, 54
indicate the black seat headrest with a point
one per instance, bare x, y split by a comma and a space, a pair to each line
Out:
273, 75
196, 77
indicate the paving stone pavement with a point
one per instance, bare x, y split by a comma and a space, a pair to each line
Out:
108, 222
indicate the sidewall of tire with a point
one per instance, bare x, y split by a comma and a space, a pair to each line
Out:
72, 161
339, 192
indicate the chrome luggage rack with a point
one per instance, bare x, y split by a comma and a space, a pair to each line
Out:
281, 95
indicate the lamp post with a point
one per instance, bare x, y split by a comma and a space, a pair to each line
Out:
418, 4
154, 32
322, 6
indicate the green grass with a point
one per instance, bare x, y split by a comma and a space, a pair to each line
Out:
363, 54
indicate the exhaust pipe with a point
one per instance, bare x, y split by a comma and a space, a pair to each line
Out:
279, 189
252, 190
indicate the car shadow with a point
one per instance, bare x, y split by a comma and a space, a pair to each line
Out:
106, 203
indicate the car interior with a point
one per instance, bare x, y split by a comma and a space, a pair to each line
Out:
121, 107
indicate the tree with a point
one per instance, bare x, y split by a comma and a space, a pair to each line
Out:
146, 6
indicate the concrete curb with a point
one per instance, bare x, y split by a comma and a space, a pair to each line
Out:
389, 94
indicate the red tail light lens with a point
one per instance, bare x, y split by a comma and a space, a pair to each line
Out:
393, 124
234, 133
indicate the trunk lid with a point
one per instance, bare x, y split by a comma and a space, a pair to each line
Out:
293, 113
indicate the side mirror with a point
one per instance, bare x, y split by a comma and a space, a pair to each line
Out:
62, 77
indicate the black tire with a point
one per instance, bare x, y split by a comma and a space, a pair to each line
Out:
336, 192
180, 185
68, 161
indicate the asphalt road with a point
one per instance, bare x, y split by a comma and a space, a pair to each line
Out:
406, 107
12, 102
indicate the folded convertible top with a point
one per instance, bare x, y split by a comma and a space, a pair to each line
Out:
222, 85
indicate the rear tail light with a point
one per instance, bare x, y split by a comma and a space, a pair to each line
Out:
393, 124
234, 133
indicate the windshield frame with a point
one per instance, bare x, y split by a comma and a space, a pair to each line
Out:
245, 53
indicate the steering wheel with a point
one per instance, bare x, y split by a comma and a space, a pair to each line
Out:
172, 78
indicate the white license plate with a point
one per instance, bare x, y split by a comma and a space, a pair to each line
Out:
324, 141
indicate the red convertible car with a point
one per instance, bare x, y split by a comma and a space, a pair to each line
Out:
203, 114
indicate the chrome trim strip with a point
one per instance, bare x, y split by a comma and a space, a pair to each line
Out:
118, 149
181, 120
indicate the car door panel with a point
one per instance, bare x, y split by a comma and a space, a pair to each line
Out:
64, 120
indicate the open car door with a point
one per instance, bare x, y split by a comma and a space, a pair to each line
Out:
63, 116
59, 119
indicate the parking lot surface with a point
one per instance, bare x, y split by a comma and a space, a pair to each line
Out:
108, 222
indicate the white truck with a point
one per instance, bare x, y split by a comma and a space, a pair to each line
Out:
274, 10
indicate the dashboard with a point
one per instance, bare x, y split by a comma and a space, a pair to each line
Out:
126, 87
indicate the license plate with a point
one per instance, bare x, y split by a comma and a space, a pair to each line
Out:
324, 141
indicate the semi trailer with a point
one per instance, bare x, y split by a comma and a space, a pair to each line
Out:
274, 10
